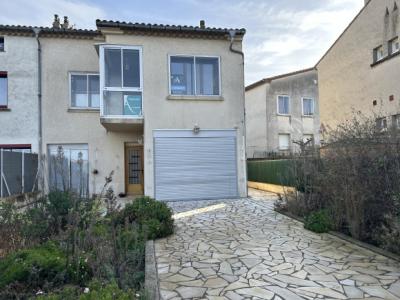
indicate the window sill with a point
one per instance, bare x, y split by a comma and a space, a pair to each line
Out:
385, 59
196, 98
308, 116
84, 110
283, 115
5, 109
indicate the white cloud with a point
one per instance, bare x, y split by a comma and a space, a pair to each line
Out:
40, 12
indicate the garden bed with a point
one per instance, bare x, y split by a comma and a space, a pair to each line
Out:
66, 247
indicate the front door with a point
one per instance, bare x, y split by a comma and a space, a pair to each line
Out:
134, 170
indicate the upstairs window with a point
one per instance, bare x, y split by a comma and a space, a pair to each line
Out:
3, 90
283, 105
194, 75
378, 53
308, 107
121, 81
85, 90
394, 45
1, 43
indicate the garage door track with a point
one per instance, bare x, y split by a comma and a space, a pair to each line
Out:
242, 249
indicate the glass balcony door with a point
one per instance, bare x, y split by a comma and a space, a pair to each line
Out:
121, 81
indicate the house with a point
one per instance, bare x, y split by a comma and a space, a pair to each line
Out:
161, 106
361, 71
280, 112
18, 89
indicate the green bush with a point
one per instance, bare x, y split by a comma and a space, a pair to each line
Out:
33, 267
319, 221
153, 217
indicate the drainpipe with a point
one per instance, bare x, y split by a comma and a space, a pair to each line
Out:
232, 34
39, 87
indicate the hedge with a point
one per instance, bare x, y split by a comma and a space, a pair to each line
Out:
271, 171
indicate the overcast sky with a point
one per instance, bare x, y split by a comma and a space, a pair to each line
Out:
282, 35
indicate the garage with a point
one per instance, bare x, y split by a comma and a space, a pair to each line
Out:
190, 165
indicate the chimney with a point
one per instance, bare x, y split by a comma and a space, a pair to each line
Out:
56, 22
202, 24
66, 23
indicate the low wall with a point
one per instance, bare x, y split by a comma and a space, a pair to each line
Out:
268, 187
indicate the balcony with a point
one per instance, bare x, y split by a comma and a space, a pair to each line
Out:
121, 88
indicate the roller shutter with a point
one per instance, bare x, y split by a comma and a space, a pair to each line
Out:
195, 166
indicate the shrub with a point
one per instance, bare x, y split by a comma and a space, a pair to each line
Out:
154, 217
34, 267
319, 221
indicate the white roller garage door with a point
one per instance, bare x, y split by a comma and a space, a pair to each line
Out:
195, 166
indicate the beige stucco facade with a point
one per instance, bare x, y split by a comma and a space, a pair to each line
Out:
19, 120
264, 123
62, 125
349, 81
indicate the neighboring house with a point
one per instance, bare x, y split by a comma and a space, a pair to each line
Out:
161, 106
280, 112
18, 89
361, 71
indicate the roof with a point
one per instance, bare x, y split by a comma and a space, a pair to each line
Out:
175, 30
47, 31
344, 31
269, 79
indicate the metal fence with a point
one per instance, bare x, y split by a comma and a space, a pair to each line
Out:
18, 173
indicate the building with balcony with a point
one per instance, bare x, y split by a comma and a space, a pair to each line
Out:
162, 107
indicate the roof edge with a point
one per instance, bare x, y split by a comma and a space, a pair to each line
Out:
344, 31
175, 29
269, 79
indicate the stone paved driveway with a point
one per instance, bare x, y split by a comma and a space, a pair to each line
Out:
242, 249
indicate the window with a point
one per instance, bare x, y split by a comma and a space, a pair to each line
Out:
85, 90
121, 75
308, 107
396, 121
381, 124
378, 53
394, 45
284, 141
69, 168
3, 90
26, 148
1, 43
283, 105
192, 75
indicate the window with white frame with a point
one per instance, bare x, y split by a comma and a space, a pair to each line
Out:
194, 75
3, 90
308, 106
69, 168
394, 45
121, 81
284, 141
85, 90
378, 53
283, 105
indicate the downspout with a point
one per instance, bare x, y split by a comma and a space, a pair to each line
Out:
40, 131
232, 34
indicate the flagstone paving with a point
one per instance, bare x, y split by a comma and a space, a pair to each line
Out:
242, 249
